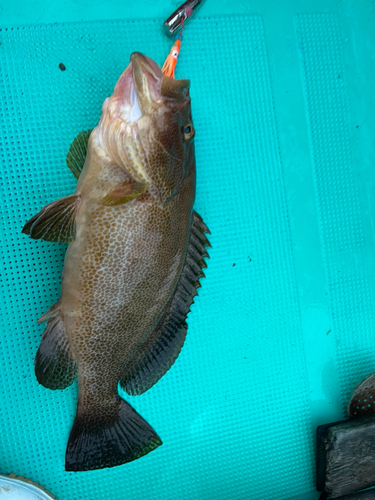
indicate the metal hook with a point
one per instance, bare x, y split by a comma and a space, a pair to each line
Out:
173, 22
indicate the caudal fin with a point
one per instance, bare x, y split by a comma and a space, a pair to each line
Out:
96, 443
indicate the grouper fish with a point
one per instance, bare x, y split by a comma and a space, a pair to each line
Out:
133, 264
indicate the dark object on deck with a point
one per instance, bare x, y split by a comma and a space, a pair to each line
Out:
62, 67
363, 400
363, 495
346, 457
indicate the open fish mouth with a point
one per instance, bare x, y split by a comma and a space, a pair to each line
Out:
139, 88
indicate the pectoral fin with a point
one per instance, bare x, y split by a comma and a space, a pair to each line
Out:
55, 222
123, 193
160, 351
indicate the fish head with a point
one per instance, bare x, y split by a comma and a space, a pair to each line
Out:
147, 128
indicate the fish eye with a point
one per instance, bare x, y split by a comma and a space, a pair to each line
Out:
175, 54
188, 132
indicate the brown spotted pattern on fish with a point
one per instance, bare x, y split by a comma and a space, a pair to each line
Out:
132, 268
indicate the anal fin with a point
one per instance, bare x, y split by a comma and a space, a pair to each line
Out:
55, 222
55, 366
155, 357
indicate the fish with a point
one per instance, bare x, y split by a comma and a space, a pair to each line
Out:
136, 254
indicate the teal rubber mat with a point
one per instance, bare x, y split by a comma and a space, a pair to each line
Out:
284, 326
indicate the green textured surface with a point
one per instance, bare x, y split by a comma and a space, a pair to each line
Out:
283, 108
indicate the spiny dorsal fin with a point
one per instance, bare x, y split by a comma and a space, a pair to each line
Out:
123, 193
55, 222
162, 348
55, 366
75, 159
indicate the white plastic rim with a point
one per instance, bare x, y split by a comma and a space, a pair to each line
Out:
18, 489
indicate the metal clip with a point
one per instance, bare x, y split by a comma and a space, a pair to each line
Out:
173, 22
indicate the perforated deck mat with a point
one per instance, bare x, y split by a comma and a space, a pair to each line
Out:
235, 411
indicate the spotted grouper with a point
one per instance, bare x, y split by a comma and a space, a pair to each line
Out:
133, 264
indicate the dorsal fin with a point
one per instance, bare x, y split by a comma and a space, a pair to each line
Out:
162, 348
75, 159
55, 222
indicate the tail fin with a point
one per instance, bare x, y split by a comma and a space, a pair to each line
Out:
106, 442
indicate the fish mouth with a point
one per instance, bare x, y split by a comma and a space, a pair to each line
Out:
138, 88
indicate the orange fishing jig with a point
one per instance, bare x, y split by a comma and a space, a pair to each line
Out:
171, 61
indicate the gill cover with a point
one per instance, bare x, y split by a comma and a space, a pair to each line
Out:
170, 156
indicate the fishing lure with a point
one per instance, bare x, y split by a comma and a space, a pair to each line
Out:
169, 66
171, 61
